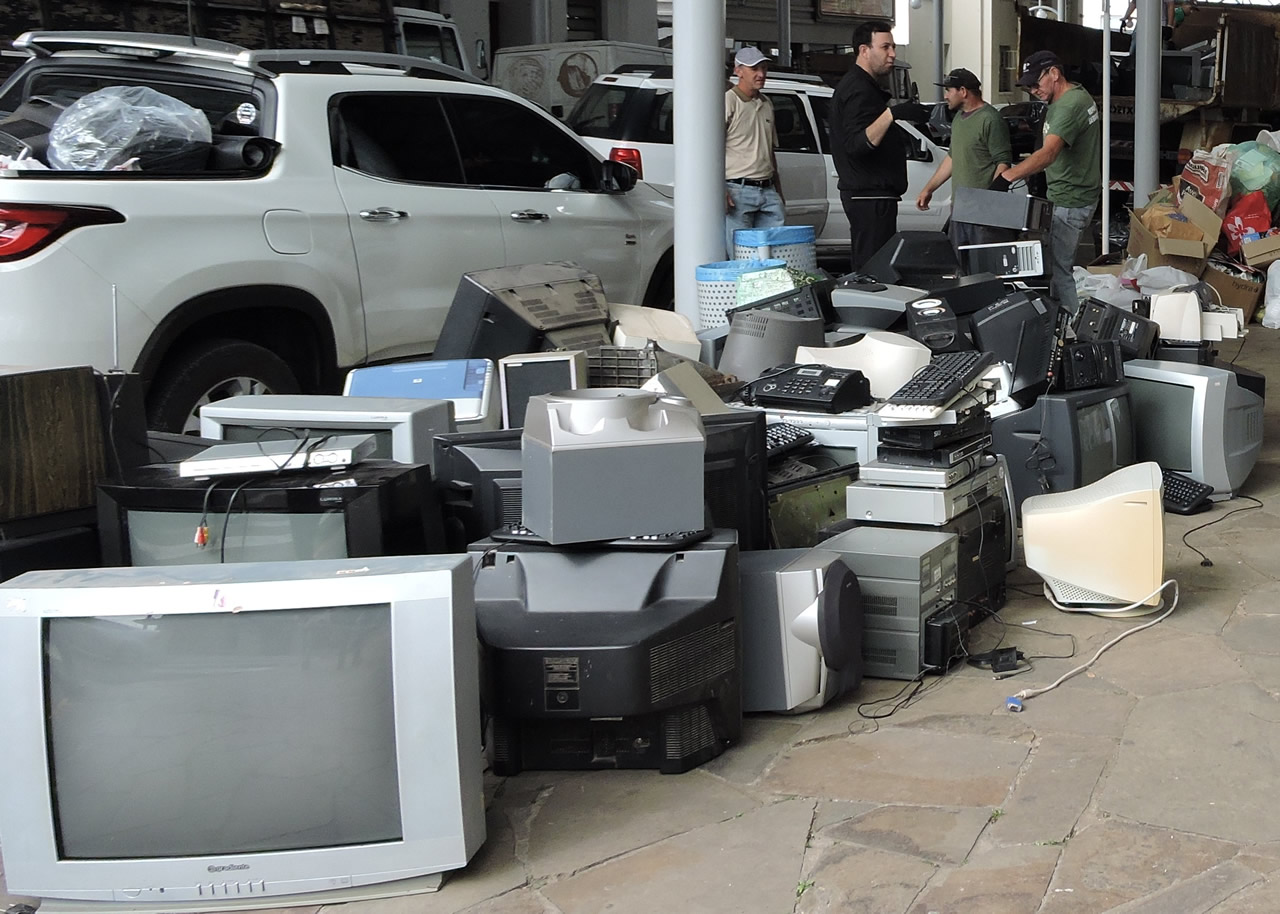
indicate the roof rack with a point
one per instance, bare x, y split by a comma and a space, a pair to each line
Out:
269, 62
662, 71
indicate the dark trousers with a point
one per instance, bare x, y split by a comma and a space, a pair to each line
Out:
872, 222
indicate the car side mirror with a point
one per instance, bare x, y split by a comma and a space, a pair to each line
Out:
617, 177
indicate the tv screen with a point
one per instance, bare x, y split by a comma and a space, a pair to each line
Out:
1167, 442
257, 729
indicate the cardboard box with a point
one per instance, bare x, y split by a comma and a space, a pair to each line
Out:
1235, 292
1188, 253
1111, 264
1261, 252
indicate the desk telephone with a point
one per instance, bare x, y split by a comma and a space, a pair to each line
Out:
817, 388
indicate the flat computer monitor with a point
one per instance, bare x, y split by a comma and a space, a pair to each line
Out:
154, 516
1066, 440
1100, 548
1197, 420
611, 658
269, 729
914, 259
1018, 330
402, 428
527, 308
479, 480
469, 384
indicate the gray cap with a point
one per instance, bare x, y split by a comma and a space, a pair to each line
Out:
750, 57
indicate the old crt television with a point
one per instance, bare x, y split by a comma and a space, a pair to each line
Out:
1066, 440
479, 480
1100, 549
196, 734
528, 308
610, 658
1197, 420
372, 508
402, 428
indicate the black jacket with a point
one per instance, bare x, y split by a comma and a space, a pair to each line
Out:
865, 170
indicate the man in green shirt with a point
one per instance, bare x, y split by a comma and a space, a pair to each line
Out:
1071, 159
980, 151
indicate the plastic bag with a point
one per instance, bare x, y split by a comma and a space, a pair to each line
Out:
1104, 287
1271, 297
1249, 213
105, 129
1208, 176
1257, 167
1161, 279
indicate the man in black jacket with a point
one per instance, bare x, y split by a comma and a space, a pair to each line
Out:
868, 148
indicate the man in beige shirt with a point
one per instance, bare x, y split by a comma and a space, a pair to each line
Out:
753, 197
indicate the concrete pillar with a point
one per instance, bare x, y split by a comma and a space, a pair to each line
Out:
1146, 101
698, 49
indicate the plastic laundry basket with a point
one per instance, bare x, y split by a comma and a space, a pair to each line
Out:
718, 287
792, 243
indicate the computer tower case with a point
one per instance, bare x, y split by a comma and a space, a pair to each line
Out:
610, 658
801, 629
528, 308
920, 259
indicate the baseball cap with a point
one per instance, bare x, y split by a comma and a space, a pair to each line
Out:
960, 78
1035, 65
749, 57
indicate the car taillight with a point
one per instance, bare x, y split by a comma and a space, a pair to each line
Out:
27, 229
627, 157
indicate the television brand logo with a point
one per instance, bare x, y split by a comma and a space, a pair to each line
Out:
228, 866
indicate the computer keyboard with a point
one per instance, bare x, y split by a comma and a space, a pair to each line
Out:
1184, 495
781, 438
932, 389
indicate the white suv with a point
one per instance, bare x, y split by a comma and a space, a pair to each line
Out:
376, 183
627, 116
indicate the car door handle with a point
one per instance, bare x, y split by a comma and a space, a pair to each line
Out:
383, 214
528, 215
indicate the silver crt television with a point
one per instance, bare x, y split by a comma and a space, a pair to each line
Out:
193, 735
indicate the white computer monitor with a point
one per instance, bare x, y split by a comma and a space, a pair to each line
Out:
1195, 420
1178, 314
471, 385
1100, 548
194, 734
402, 427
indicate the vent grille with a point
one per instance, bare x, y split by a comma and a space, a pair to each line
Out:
879, 606
885, 655
1071, 593
750, 323
510, 500
687, 732
691, 660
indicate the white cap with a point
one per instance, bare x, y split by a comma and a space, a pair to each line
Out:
749, 57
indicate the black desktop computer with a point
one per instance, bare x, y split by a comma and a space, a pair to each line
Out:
529, 308
920, 259
610, 658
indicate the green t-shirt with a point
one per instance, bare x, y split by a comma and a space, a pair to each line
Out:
1075, 177
979, 142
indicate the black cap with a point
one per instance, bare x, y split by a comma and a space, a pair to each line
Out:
960, 78
1035, 65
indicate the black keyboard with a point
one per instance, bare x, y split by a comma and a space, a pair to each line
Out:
781, 438
1184, 495
947, 376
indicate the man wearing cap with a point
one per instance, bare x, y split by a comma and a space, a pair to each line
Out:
868, 148
1071, 159
753, 196
980, 150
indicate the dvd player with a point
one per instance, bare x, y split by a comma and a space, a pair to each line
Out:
279, 455
918, 505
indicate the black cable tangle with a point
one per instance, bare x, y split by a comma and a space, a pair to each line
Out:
226, 519
1204, 559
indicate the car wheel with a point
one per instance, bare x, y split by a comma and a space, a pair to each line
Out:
661, 294
210, 372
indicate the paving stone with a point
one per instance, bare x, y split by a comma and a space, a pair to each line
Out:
1084, 704
939, 834
600, 814
750, 863
847, 879
1189, 760
1262, 669
1259, 898
841, 717
1116, 862
896, 765
763, 738
493, 871
1157, 666
1254, 632
1195, 895
1008, 880
521, 901
1056, 785
832, 811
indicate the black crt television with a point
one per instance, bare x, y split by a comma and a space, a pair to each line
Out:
1066, 440
373, 508
479, 480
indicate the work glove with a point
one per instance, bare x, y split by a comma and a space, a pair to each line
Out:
910, 111
998, 183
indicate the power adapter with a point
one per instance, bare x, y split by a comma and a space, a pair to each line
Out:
1004, 659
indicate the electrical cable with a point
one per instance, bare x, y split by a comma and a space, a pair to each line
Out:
226, 518
1204, 559
1014, 702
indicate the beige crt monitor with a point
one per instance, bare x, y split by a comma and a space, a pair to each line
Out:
1100, 548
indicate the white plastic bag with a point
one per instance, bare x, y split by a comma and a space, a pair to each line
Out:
1161, 279
1104, 287
106, 128
1271, 297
